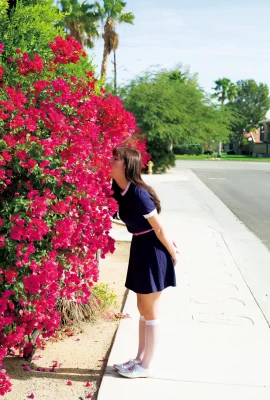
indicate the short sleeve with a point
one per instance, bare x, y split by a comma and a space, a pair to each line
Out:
145, 205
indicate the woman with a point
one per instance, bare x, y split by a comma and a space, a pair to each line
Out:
152, 255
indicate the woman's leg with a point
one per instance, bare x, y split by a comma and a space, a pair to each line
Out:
141, 346
149, 307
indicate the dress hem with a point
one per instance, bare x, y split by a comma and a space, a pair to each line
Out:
153, 291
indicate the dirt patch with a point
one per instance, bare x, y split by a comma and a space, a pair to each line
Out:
83, 356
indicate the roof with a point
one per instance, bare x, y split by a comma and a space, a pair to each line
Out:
265, 121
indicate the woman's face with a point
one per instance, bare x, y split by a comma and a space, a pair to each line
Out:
118, 167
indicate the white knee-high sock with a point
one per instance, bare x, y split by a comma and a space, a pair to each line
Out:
152, 328
141, 346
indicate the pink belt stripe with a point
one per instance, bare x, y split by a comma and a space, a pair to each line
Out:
141, 233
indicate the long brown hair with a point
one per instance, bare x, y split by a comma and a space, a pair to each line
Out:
133, 162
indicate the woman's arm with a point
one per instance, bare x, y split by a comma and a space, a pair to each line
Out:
162, 236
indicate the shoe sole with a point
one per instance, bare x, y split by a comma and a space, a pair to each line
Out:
135, 377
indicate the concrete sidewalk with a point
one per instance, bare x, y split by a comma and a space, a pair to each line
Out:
215, 341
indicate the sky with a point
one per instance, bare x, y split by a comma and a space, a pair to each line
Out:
214, 38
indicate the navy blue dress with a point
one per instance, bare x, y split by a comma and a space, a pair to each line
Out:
151, 267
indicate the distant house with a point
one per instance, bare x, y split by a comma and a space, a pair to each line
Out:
257, 142
255, 147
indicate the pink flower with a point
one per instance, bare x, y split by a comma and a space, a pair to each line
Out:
89, 396
2, 47
10, 276
66, 51
27, 66
1, 73
21, 154
16, 233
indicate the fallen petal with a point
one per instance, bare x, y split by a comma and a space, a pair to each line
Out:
56, 364
69, 383
89, 396
88, 384
31, 396
37, 357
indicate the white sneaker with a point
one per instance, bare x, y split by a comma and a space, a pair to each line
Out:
125, 365
136, 372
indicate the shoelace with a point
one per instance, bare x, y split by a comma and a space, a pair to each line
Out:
126, 363
132, 368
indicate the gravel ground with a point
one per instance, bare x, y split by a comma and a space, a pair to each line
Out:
81, 355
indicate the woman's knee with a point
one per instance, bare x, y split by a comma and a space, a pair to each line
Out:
148, 305
151, 315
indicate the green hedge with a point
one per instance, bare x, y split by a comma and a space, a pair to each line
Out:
188, 149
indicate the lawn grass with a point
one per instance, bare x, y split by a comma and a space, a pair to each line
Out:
206, 157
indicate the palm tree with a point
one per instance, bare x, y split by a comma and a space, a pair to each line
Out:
225, 89
112, 12
81, 20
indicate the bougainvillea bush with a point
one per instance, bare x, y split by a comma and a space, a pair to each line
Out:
57, 133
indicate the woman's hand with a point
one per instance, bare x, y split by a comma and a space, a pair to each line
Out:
175, 260
169, 244
176, 255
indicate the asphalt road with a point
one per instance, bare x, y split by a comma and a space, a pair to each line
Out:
243, 186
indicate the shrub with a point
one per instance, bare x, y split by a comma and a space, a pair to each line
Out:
189, 149
57, 132
161, 155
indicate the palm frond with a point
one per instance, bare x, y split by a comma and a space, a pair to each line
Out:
127, 18
81, 20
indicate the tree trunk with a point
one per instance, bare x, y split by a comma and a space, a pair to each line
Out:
219, 149
107, 47
104, 65
115, 71
220, 142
